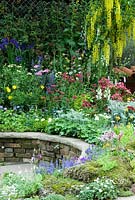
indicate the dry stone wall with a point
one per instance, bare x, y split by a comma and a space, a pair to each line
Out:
19, 147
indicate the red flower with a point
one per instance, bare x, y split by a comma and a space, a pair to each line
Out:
74, 97
85, 103
131, 108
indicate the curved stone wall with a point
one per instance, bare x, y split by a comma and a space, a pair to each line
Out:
19, 147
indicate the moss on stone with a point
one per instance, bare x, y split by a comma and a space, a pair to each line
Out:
61, 185
121, 173
86, 172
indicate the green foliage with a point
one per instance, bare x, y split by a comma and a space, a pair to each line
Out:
107, 162
99, 189
76, 124
57, 29
19, 121
123, 193
122, 112
16, 186
127, 134
54, 197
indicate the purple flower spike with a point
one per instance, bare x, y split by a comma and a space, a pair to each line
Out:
5, 41
15, 43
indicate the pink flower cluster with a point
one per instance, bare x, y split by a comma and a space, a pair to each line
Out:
41, 72
109, 136
118, 91
104, 83
72, 78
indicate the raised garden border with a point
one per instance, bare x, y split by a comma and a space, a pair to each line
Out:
19, 147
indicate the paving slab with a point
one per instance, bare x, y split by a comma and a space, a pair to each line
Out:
26, 170
127, 198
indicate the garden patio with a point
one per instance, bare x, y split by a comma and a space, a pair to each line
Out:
67, 99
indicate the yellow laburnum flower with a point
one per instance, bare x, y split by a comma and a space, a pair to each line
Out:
8, 89
10, 97
42, 87
14, 87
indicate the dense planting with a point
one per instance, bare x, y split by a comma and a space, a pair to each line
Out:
57, 77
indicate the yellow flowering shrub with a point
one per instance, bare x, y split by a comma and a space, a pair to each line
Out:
109, 22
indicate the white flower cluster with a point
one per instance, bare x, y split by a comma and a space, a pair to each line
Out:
103, 94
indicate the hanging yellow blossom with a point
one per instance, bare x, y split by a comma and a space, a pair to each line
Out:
109, 20
95, 53
106, 52
109, 23
108, 5
119, 47
118, 12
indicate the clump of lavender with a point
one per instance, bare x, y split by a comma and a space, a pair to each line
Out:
93, 152
58, 165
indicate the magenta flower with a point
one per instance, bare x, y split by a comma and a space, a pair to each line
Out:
46, 71
36, 66
53, 86
39, 73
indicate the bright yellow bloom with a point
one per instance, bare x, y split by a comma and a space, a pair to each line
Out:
117, 118
128, 99
128, 125
42, 87
126, 109
14, 87
10, 97
8, 89
106, 145
131, 116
